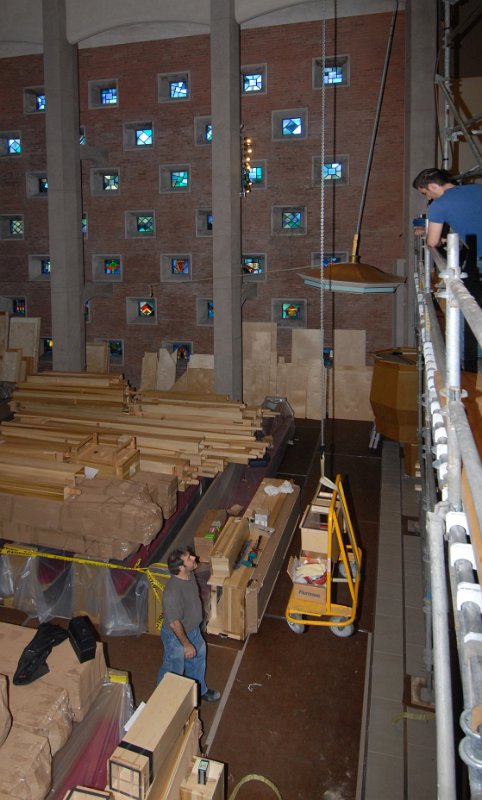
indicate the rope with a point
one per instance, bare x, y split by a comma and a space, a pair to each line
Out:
322, 239
254, 777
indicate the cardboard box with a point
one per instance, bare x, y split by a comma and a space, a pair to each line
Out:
305, 591
314, 529
42, 709
5, 715
149, 742
82, 681
213, 789
208, 532
25, 765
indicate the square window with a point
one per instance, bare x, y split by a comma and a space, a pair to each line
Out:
10, 143
334, 170
174, 178
338, 257
253, 79
182, 350
87, 310
253, 267
82, 135
106, 268
173, 87
104, 182
146, 308
204, 311
203, 130
141, 310
84, 226
36, 184
140, 224
176, 267
288, 220
34, 100
289, 312
103, 93
139, 135
335, 71
204, 222
46, 347
19, 307
39, 268
289, 125
11, 226
257, 174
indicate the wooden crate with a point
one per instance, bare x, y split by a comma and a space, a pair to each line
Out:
148, 743
208, 532
84, 793
213, 789
228, 546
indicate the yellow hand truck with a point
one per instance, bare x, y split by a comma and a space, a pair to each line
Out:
327, 531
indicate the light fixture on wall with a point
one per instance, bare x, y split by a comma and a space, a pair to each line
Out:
246, 152
354, 275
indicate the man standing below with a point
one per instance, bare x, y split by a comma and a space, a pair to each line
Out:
457, 206
183, 642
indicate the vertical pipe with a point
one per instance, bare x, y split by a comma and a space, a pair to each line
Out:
453, 372
441, 649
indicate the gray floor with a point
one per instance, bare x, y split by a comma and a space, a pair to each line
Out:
400, 747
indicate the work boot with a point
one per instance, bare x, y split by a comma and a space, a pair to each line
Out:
211, 696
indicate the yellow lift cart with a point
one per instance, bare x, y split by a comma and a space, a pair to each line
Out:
327, 533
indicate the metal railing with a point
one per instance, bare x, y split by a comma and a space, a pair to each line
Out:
453, 512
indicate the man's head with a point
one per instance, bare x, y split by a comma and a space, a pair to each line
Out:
432, 183
181, 560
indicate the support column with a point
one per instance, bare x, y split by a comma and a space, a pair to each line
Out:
420, 135
64, 194
226, 186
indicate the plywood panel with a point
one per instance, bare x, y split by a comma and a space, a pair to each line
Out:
352, 393
149, 372
350, 348
166, 370
24, 335
97, 357
305, 344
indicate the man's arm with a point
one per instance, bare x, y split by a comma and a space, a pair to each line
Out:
178, 629
434, 233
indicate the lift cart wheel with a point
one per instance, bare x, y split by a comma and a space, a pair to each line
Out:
296, 627
343, 631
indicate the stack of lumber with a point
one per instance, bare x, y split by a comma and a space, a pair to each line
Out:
184, 436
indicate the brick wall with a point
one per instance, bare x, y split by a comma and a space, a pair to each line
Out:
288, 52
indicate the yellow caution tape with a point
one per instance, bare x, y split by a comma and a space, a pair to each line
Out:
254, 777
155, 579
118, 677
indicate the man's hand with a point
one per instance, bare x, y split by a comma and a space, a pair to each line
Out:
189, 650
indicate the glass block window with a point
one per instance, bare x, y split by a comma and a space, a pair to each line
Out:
180, 179
141, 310
253, 267
182, 350
143, 137
257, 174
334, 72
289, 312
288, 220
174, 178
203, 130
47, 345
82, 136
84, 226
108, 96
178, 90
106, 268
204, 311
116, 351
14, 146
338, 257
176, 267
103, 93
10, 143
334, 170
19, 307
139, 135
112, 266
204, 222
39, 267
34, 100
253, 83
145, 223
173, 87
37, 184
289, 124
140, 224
253, 79
292, 126
11, 227
110, 183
